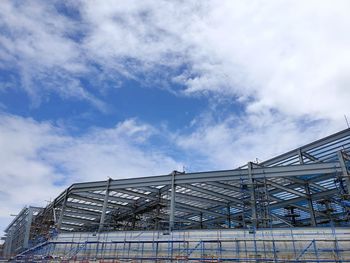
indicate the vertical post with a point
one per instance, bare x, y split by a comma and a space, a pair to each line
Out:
27, 228
157, 225
311, 206
64, 203
229, 215
300, 154
275, 258
315, 250
133, 220
104, 207
329, 212
344, 170
8, 244
308, 193
293, 215
172, 202
268, 220
54, 211
252, 195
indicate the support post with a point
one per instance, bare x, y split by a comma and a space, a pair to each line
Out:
133, 220
252, 196
54, 211
308, 193
229, 215
104, 207
28, 227
8, 244
346, 175
311, 206
157, 225
267, 214
59, 223
300, 154
172, 202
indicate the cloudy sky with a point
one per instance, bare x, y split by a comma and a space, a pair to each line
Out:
98, 89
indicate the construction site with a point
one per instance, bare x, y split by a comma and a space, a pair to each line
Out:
294, 207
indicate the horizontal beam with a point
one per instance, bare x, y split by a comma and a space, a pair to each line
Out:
308, 147
213, 176
212, 193
286, 188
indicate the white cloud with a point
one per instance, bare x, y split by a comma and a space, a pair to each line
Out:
233, 141
38, 160
120, 152
290, 56
35, 43
36, 33
24, 176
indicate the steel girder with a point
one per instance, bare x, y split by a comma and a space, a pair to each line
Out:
288, 190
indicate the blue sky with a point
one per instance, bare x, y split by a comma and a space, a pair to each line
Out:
121, 89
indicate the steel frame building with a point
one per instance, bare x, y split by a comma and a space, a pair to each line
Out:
306, 187
19, 231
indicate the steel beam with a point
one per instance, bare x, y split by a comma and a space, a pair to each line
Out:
319, 161
84, 206
286, 189
310, 146
252, 195
104, 207
79, 220
110, 197
190, 209
172, 202
224, 197
229, 215
137, 194
226, 186
63, 207
311, 157
214, 176
300, 155
311, 206
189, 197
28, 227
315, 196
345, 171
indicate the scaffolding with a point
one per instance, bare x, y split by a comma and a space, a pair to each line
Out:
307, 187
284, 245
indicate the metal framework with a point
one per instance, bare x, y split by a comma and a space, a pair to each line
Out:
18, 232
305, 187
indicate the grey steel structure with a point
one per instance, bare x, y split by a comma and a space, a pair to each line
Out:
17, 236
308, 186
305, 187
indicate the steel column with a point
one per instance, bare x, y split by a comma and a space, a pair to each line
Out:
311, 206
300, 155
104, 207
28, 226
64, 203
252, 195
229, 215
172, 201
344, 170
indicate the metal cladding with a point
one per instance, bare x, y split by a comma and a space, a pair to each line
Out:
305, 187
